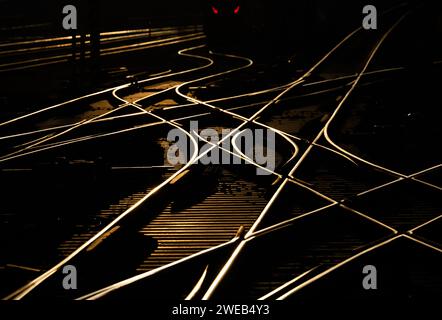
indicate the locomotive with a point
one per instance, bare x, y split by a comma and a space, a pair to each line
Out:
281, 25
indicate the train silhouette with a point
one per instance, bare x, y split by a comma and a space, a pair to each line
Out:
277, 25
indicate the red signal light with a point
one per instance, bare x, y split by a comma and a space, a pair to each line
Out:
215, 10
236, 11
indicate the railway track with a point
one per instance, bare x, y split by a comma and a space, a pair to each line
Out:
29, 54
210, 62
317, 213
255, 288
